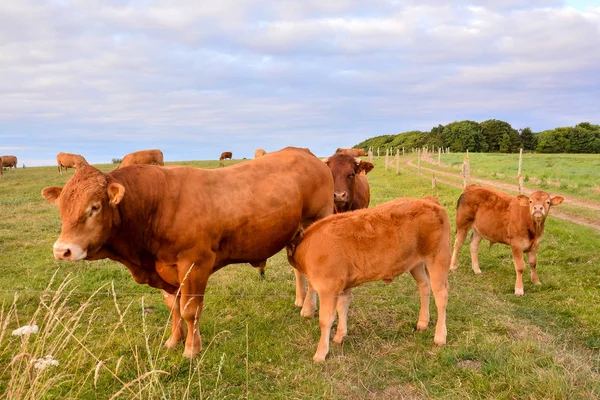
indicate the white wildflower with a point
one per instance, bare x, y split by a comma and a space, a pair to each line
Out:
25, 330
41, 363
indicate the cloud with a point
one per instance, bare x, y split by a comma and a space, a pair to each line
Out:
105, 78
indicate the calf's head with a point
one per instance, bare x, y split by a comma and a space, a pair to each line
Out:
87, 206
344, 169
539, 204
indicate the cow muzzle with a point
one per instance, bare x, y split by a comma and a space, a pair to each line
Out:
68, 251
340, 196
538, 212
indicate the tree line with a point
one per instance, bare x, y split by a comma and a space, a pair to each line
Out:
494, 136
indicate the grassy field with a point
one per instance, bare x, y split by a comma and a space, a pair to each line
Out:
577, 175
107, 332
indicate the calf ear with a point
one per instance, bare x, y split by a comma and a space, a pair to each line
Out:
51, 193
364, 166
523, 200
556, 200
115, 193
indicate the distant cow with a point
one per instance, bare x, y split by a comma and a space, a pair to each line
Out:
345, 250
173, 227
351, 188
68, 160
154, 157
352, 152
502, 218
9, 162
259, 153
226, 155
1, 167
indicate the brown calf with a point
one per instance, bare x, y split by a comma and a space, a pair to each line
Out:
502, 218
352, 152
68, 160
259, 153
151, 157
344, 250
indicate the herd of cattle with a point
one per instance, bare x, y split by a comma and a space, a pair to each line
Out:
173, 227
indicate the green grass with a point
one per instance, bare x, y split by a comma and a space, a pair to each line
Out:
545, 345
577, 175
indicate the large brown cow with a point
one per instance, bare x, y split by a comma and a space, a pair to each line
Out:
259, 153
502, 218
345, 250
352, 152
154, 157
226, 155
9, 162
170, 225
68, 160
351, 188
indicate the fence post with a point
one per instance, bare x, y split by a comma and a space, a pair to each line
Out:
466, 171
521, 184
520, 162
371, 156
419, 164
397, 161
378, 152
387, 153
433, 182
439, 156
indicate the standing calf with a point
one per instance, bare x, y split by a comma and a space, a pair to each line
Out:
502, 218
344, 250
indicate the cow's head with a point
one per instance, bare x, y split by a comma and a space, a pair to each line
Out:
88, 212
539, 204
344, 168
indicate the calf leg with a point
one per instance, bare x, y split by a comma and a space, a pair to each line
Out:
342, 311
327, 304
310, 303
193, 285
532, 258
300, 288
474, 247
177, 325
519, 268
438, 273
420, 275
461, 235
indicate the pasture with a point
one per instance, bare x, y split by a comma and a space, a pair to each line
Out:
106, 331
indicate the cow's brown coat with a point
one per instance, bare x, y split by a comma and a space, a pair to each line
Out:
502, 218
154, 157
69, 160
351, 188
225, 155
352, 152
345, 250
259, 153
9, 161
170, 225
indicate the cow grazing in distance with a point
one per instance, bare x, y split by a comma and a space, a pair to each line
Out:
226, 155
502, 218
352, 152
351, 188
68, 160
259, 153
345, 250
152, 157
173, 227
1, 167
9, 161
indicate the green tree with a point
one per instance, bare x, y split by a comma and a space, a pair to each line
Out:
463, 135
528, 139
493, 131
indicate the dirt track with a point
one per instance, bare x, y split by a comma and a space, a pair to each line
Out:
507, 186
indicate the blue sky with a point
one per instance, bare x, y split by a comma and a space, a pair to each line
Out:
193, 78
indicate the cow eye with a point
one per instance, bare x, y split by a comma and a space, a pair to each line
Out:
351, 176
530, 201
94, 209
547, 201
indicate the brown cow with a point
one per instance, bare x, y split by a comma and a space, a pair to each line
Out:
345, 250
352, 152
226, 155
68, 160
502, 218
154, 157
351, 188
170, 225
259, 153
9, 162
1, 167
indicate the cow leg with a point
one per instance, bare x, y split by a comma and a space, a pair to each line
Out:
461, 235
300, 288
177, 325
474, 247
193, 285
342, 311
310, 303
532, 258
420, 275
438, 274
327, 304
519, 268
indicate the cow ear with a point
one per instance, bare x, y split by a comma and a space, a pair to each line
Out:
523, 200
115, 193
364, 166
556, 200
51, 193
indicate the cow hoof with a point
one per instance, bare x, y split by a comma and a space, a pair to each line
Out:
438, 341
519, 292
191, 353
453, 269
318, 358
478, 272
307, 313
338, 339
421, 327
537, 283
299, 302
171, 344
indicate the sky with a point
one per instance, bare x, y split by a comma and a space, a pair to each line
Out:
103, 78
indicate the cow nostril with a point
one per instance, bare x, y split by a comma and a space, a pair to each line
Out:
67, 253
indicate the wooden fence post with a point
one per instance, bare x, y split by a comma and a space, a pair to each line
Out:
439, 156
520, 162
378, 152
397, 161
433, 182
419, 164
387, 154
521, 184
